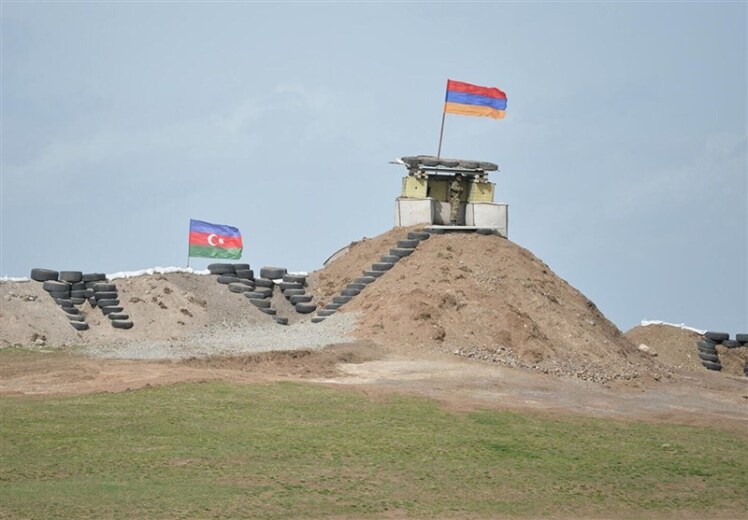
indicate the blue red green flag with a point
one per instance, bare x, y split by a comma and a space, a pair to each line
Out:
472, 100
214, 240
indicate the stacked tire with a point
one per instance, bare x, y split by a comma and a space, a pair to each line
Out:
386, 262
106, 298
64, 287
239, 278
293, 288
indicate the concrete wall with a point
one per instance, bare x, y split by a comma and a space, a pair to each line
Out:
409, 212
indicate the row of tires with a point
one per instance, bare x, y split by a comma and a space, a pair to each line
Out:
386, 262
432, 162
70, 289
259, 291
707, 348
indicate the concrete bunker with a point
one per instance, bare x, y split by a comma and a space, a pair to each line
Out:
424, 196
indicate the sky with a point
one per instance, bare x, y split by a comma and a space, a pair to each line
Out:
623, 153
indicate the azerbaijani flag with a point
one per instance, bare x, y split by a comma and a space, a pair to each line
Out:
214, 240
471, 100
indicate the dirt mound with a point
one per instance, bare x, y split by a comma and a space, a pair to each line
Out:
163, 307
484, 297
676, 348
673, 346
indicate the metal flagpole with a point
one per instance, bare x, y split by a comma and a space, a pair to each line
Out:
444, 115
441, 135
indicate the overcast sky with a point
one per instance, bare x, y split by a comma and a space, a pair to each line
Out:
622, 155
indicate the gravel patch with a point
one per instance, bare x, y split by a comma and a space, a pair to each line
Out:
222, 340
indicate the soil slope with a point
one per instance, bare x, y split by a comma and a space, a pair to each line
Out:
484, 297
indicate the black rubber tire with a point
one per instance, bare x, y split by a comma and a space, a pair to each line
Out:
118, 316
93, 277
268, 311
350, 292
469, 165
72, 310
488, 166
42, 275
241, 267
75, 317
418, 235
390, 259
267, 292
65, 295
300, 298
239, 288
706, 344
407, 244
731, 343
437, 231
227, 279
280, 320
298, 278
104, 287
71, 276
708, 356
244, 274
78, 301
743, 338
305, 308
364, 280
374, 274
247, 282
64, 302
358, 286
55, 286
79, 325
262, 304
110, 309
326, 312
221, 268
716, 336
92, 301
711, 366
284, 286
382, 266
122, 324
78, 286
401, 252
273, 273
293, 292
333, 306
264, 282
107, 302
79, 294
106, 295
342, 300
254, 295
318, 319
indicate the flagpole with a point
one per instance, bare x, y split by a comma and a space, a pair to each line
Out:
444, 115
441, 135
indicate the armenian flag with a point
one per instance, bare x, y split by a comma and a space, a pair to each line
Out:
214, 240
472, 100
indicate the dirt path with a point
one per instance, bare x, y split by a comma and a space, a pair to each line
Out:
709, 399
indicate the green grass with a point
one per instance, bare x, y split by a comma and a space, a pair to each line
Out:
219, 450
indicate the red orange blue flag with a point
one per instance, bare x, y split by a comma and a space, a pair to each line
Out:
473, 100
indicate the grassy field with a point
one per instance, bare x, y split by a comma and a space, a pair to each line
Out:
218, 450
